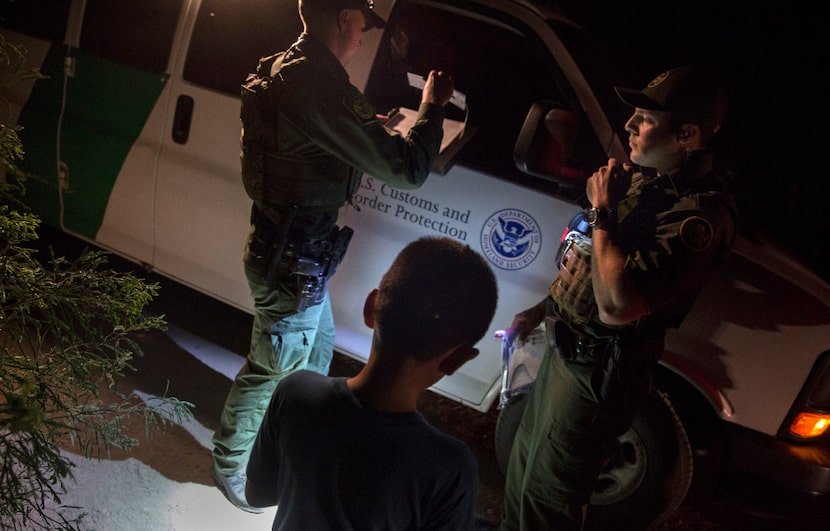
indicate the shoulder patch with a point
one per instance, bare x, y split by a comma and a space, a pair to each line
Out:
696, 233
360, 106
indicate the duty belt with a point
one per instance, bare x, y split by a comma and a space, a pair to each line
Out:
572, 346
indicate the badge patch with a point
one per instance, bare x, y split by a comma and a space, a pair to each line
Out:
359, 106
657, 80
696, 233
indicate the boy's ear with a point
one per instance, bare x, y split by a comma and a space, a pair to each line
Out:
457, 357
369, 308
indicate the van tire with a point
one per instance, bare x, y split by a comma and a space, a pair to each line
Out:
647, 478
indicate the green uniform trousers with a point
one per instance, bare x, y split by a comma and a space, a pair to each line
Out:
563, 441
282, 341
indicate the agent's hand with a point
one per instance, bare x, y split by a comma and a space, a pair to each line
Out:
608, 185
438, 88
524, 322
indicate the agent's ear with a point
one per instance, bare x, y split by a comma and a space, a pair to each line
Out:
456, 358
688, 132
369, 308
343, 18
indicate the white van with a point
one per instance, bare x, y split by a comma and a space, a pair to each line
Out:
133, 144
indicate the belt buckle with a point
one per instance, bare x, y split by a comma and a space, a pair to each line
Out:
588, 348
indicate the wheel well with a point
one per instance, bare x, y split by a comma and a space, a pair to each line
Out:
695, 411
703, 427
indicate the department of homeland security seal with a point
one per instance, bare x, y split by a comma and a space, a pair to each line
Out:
511, 239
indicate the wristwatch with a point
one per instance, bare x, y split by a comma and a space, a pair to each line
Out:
597, 217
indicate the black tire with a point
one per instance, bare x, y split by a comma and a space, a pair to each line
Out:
507, 424
646, 479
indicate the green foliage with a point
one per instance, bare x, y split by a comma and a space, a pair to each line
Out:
13, 67
67, 332
13, 70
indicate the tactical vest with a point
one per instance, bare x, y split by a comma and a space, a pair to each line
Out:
272, 179
572, 289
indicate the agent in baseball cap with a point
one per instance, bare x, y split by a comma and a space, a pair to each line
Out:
659, 227
329, 134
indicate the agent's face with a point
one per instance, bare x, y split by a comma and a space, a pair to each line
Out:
351, 31
653, 141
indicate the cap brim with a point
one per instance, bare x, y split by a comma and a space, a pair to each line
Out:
373, 20
636, 98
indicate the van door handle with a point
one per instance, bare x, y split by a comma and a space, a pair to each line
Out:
182, 118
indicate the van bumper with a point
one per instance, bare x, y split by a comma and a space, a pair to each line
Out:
796, 478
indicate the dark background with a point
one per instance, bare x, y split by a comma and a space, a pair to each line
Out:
773, 59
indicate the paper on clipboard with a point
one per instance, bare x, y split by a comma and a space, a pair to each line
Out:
459, 99
456, 133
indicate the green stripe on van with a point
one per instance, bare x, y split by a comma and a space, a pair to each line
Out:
107, 105
39, 118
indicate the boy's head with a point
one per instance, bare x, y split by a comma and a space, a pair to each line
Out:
437, 294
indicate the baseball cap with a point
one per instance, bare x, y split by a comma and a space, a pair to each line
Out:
692, 92
373, 20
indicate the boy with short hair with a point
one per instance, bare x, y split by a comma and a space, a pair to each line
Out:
354, 453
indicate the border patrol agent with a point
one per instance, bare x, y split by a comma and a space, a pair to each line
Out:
654, 235
307, 136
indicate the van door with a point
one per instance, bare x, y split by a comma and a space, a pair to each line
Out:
202, 214
92, 128
117, 98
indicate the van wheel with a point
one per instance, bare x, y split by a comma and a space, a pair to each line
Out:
648, 475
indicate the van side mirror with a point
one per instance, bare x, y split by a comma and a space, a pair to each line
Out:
545, 144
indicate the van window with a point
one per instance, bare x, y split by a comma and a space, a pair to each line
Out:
44, 19
137, 33
502, 68
230, 36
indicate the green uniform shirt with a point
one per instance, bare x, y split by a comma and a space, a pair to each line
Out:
673, 228
328, 134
